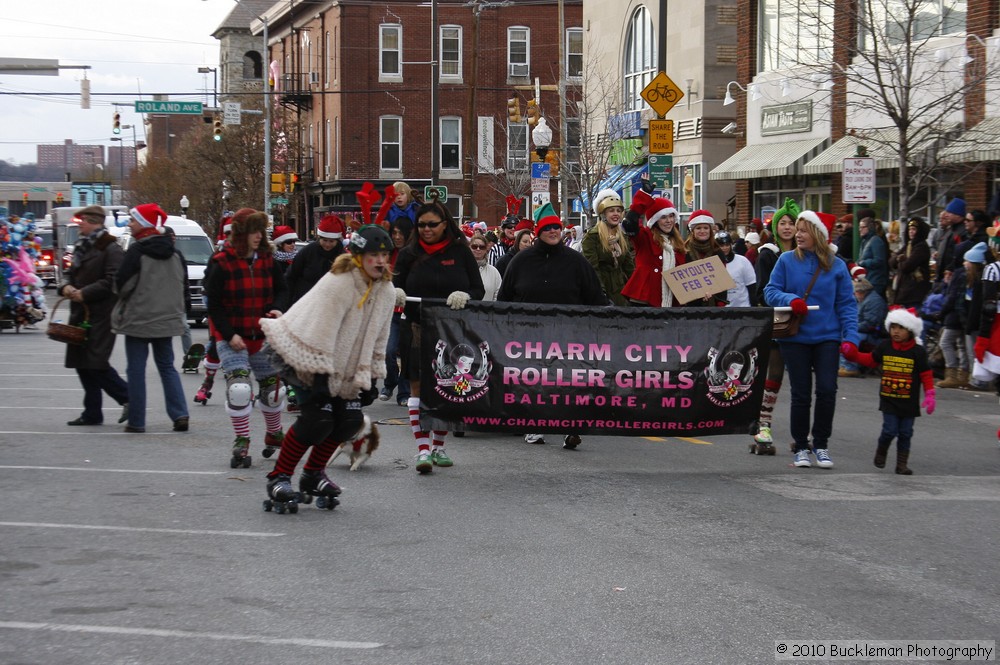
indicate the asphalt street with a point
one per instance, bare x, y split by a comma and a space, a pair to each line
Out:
148, 549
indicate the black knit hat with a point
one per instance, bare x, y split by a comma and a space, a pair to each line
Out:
370, 238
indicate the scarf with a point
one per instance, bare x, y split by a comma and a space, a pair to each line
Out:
436, 247
145, 232
702, 249
84, 245
615, 245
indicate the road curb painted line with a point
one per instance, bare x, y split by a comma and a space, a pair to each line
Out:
97, 527
87, 468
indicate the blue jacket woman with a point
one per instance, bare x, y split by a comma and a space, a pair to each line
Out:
874, 256
814, 351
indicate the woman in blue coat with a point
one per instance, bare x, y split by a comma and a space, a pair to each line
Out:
874, 255
814, 352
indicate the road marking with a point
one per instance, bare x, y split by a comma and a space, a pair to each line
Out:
87, 468
820, 485
60, 408
48, 376
140, 529
48, 390
34, 364
189, 634
85, 434
679, 438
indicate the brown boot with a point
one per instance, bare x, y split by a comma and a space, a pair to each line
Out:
962, 376
950, 379
881, 452
901, 460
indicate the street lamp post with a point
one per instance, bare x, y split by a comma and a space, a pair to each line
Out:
185, 203
215, 83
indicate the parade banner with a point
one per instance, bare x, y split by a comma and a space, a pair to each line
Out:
515, 367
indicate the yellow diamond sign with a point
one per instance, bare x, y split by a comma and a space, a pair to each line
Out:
661, 94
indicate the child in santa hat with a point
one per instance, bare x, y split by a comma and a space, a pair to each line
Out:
905, 367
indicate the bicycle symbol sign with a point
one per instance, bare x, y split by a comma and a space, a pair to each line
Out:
661, 94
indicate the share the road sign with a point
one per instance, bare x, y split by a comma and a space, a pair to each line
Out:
187, 108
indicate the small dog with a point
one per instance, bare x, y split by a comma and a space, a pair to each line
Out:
367, 438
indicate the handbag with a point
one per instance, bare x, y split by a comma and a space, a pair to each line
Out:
69, 334
786, 323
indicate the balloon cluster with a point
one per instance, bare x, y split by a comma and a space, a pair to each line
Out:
20, 287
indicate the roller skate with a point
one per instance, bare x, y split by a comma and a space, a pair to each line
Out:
763, 444
272, 441
241, 453
205, 392
316, 484
281, 496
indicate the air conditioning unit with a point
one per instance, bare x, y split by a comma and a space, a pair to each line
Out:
519, 71
313, 78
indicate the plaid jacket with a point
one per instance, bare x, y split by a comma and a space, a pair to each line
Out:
240, 294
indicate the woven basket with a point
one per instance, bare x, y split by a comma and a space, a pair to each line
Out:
62, 332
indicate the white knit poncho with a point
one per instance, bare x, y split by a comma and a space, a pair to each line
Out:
325, 332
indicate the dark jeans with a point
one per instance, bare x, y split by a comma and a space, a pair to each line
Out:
393, 377
94, 381
899, 428
803, 362
136, 352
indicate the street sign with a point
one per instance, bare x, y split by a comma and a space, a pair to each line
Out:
541, 170
661, 171
661, 137
661, 94
279, 201
231, 113
540, 184
184, 108
442, 193
859, 180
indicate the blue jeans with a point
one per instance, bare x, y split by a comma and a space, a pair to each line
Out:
393, 377
136, 353
803, 362
899, 428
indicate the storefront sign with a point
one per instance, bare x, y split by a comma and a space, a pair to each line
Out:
786, 119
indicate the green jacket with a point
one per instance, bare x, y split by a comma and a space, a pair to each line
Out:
612, 272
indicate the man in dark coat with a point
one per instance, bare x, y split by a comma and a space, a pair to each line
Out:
90, 282
314, 260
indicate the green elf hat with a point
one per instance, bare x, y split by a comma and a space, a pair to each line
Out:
546, 216
791, 208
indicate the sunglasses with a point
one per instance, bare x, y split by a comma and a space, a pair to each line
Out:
478, 246
428, 225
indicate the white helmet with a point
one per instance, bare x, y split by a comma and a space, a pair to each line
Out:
607, 198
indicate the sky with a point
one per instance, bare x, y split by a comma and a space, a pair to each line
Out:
135, 48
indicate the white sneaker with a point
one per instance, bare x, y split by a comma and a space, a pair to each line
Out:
823, 460
802, 459
534, 438
764, 435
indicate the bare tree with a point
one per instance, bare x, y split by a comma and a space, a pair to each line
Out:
905, 85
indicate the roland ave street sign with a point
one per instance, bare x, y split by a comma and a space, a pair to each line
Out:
183, 108
661, 94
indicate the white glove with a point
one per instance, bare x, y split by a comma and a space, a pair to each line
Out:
458, 299
400, 297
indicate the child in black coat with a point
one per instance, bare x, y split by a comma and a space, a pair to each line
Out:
904, 365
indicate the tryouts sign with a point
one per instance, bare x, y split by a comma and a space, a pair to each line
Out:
572, 369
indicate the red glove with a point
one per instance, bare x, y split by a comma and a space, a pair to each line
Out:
982, 346
929, 403
799, 307
849, 351
640, 202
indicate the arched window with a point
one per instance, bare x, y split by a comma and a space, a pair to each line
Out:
640, 58
253, 67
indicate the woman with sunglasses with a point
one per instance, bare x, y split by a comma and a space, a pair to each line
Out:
435, 263
491, 276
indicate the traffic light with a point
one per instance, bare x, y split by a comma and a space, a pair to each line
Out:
278, 183
532, 112
24, 198
293, 182
59, 198
116, 127
514, 110
217, 130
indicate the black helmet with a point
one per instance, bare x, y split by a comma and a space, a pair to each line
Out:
509, 222
723, 238
370, 238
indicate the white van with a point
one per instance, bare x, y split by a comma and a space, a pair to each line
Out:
197, 248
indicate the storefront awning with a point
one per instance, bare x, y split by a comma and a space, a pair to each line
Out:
880, 144
979, 144
768, 160
619, 178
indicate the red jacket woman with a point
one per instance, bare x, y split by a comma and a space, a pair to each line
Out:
658, 248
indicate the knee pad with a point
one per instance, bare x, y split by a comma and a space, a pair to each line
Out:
271, 394
239, 392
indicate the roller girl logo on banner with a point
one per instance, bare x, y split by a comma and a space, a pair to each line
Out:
461, 374
728, 384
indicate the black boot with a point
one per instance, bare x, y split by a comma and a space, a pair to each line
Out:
882, 451
901, 459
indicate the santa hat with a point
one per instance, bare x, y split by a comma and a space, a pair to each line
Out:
225, 224
149, 215
284, 234
858, 271
605, 194
756, 224
331, 226
907, 318
700, 217
546, 216
658, 209
824, 221
524, 224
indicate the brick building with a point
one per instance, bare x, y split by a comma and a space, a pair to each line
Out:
355, 96
82, 161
